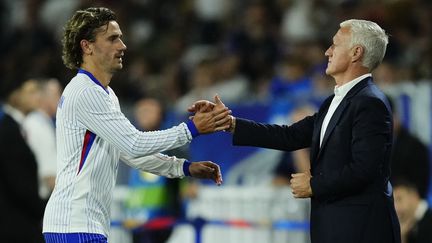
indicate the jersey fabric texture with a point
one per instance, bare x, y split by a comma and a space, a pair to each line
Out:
92, 136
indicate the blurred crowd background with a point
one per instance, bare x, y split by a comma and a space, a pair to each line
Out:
179, 49
264, 58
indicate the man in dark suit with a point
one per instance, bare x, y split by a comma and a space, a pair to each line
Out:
350, 140
21, 208
410, 157
413, 212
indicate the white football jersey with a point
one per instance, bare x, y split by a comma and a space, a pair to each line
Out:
92, 135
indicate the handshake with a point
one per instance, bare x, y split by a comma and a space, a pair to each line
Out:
212, 117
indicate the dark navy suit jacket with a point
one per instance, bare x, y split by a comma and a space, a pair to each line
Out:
352, 198
21, 208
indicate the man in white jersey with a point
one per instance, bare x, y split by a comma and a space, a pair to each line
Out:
93, 134
350, 140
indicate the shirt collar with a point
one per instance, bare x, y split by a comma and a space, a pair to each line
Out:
342, 90
17, 115
421, 210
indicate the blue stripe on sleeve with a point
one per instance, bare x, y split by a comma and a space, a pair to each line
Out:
192, 128
186, 166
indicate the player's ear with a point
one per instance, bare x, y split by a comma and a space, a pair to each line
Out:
86, 47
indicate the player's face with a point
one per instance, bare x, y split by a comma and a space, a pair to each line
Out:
109, 48
339, 53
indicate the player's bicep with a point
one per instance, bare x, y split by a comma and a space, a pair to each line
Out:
98, 114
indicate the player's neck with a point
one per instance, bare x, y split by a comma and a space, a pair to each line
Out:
103, 77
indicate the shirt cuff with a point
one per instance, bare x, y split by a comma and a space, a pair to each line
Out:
192, 128
186, 165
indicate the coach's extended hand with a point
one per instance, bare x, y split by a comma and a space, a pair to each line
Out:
206, 170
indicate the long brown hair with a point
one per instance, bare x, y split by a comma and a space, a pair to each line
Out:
83, 25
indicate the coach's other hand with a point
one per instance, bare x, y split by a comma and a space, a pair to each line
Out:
300, 185
206, 170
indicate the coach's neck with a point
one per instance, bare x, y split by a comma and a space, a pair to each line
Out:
352, 72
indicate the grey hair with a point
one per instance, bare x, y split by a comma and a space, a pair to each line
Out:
371, 37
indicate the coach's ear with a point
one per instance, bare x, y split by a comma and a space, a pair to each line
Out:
86, 47
357, 53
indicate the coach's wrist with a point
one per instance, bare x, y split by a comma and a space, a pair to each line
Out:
232, 127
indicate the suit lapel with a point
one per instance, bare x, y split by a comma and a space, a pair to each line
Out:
335, 118
318, 124
333, 121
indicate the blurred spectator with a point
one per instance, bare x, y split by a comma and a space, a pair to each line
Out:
292, 81
140, 80
414, 215
303, 20
154, 201
386, 75
231, 84
210, 15
202, 78
255, 31
255, 42
21, 207
410, 157
40, 129
213, 72
296, 161
55, 13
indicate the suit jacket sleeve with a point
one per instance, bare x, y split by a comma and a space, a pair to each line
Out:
371, 139
281, 137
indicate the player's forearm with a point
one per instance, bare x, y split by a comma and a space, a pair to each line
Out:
159, 164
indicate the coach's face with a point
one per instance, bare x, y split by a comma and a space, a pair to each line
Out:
339, 53
108, 48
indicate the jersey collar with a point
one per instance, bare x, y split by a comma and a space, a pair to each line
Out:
93, 78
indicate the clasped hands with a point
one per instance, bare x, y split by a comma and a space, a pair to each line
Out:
210, 117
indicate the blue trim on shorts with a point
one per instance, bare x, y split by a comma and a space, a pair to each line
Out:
74, 238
